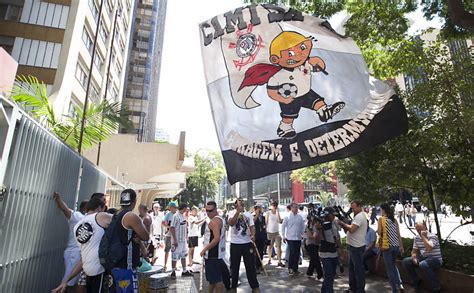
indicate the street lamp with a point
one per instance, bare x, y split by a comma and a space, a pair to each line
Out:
117, 15
84, 110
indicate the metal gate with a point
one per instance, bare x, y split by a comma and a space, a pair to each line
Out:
33, 231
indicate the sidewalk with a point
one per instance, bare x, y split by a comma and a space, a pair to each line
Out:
277, 280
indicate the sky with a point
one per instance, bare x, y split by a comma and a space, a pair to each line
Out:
183, 103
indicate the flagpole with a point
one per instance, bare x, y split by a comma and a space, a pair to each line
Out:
278, 184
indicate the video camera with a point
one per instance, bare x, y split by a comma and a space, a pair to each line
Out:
342, 215
318, 215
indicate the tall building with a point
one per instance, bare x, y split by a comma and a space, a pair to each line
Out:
141, 95
53, 40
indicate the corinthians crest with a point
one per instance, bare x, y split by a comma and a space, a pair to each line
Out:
247, 47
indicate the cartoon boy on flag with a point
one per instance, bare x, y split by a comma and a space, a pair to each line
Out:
288, 80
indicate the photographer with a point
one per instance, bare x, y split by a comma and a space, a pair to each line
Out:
312, 245
330, 244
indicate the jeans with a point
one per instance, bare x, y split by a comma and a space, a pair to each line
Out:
329, 265
314, 261
247, 251
389, 257
294, 247
429, 265
368, 255
356, 269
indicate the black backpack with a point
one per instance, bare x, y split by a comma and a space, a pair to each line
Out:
111, 249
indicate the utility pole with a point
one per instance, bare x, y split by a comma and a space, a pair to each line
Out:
84, 110
117, 14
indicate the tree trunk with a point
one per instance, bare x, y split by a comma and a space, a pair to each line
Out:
435, 210
459, 15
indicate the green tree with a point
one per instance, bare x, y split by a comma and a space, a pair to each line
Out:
102, 120
203, 183
434, 159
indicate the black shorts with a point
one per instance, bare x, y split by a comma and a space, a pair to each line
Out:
214, 270
193, 241
96, 284
150, 250
308, 101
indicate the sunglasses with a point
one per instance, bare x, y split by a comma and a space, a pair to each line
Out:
210, 211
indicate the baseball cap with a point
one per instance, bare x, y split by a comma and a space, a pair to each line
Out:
127, 197
156, 205
172, 204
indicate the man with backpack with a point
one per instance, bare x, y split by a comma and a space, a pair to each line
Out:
124, 236
88, 233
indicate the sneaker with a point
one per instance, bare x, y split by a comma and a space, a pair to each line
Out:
286, 131
280, 264
290, 272
187, 274
173, 275
329, 111
319, 277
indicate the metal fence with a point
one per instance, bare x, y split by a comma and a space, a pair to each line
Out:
33, 231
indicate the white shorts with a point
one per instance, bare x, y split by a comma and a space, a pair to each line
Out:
71, 258
180, 252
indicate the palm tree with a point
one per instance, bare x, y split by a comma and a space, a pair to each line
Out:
102, 120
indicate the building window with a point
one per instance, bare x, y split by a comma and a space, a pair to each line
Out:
87, 39
94, 94
10, 12
98, 60
103, 32
109, 6
94, 8
81, 75
36, 53
72, 107
7, 43
44, 14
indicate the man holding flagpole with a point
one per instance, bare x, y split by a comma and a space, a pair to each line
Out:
242, 236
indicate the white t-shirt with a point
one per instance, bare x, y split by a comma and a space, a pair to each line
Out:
157, 223
71, 242
273, 224
240, 232
193, 227
399, 207
357, 239
88, 234
299, 77
179, 223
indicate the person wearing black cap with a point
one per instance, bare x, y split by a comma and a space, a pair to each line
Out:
330, 243
130, 222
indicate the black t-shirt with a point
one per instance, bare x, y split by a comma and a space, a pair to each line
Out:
123, 235
260, 228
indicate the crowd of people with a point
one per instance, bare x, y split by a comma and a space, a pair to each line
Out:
94, 263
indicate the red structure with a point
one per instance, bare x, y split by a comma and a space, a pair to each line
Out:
297, 190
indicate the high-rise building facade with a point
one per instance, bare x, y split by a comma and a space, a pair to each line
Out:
141, 95
54, 41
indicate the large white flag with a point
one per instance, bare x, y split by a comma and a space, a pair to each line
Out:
286, 91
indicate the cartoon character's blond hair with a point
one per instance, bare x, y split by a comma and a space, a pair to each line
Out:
284, 41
